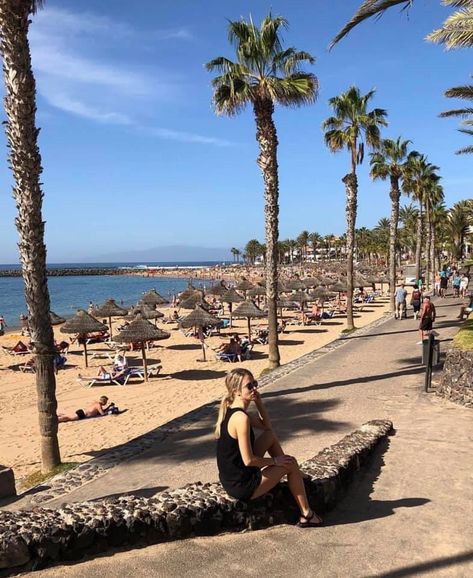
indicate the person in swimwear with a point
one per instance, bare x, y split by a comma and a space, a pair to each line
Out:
93, 410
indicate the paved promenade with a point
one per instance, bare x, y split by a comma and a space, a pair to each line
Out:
410, 515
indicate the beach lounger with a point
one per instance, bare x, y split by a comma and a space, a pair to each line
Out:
19, 349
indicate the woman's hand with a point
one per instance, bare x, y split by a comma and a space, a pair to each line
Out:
284, 460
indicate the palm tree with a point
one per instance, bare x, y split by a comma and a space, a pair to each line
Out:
233, 251
407, 235
459, 220
25, 162
302, 242
433, 197
391, 162
314, 241
292, 244
346, 129
465, 93
263, 75
237, 254
382, 237
419, 177
252, 250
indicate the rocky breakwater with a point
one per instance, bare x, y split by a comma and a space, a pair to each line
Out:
72, 272
33, 539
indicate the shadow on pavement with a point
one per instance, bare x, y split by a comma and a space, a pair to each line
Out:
424, 567
139, 492
357, 505
315, 386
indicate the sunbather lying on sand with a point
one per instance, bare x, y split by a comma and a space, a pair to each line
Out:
93, 410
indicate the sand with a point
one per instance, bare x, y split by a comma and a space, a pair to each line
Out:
185, 384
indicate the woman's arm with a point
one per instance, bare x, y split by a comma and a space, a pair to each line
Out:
262, 421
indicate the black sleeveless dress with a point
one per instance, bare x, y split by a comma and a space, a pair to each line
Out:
238, 480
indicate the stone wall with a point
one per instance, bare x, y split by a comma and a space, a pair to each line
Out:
35, 538
456, 383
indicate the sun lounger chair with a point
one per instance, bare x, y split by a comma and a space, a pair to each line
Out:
19, 349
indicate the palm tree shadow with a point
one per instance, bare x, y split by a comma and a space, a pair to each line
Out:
358, 506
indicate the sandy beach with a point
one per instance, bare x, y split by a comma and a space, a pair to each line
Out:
185, 384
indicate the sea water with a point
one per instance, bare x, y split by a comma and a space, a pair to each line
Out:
71, 293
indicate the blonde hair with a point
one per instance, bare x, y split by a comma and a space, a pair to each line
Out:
233, 383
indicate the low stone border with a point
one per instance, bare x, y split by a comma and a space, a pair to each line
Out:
456, 382
64, 483
34, 539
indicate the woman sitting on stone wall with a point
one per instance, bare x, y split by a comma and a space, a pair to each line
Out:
244, 472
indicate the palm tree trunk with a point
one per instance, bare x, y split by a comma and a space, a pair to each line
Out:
433, 270
351, 186
428, 242
25, 161
419, 241
268, 163
395, 195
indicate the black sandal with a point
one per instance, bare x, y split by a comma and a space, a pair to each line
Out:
308, 520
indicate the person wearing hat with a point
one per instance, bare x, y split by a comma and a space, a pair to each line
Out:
427, 316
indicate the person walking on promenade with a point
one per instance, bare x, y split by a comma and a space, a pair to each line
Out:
400, 298
427, 316
244, 472
416, 299
443, 282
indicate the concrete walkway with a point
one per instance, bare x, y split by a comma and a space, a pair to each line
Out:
409, 516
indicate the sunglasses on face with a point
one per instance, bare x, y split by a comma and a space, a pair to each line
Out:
252, 385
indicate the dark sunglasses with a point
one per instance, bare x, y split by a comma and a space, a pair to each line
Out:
252, 385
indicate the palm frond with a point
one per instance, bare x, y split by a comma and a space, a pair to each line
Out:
461, 112
457, 30
368, 9
465, 92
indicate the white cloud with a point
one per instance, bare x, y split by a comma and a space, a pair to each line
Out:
74, 106
188, 137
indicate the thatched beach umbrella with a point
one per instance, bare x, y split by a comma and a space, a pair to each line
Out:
187, 292
248, 309
109, 309
310, 282
200, 318
321, 294
81, 324
153, 298
197, 298
294, 285
230, 297
257, 291
145, 312
326, 281
244, 285
56, 319
217, 289
141, 331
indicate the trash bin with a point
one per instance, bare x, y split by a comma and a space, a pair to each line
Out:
435, 352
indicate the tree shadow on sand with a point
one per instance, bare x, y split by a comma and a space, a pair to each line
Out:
198, 374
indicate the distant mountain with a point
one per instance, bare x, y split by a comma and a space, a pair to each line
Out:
169, 253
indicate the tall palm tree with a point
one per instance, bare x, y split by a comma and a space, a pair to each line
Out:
348, 127
418, 179
233, 251
459, 220
264, 74
433, 196
302, 242
391, 162
314, 241
25, 162
407, 235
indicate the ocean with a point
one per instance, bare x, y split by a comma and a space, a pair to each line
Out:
71, 293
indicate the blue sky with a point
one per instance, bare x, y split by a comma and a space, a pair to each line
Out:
134, 156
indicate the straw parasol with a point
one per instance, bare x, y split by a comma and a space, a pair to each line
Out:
140, 331
326, 281
230, 297
320, 293
197, 298
294, 285
153, 298
81, 324
244, 285
200, 318
257, 291
109, 309
56, 319
187, 292
145, 312
217, 289
248, 309
311, 281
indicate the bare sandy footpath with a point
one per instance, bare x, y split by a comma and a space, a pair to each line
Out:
186, 384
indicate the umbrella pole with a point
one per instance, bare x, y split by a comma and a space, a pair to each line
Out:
230, 307
145, 364
85, 351
110, 325
249, 329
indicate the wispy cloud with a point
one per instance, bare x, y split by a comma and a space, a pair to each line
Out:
76, 107
188, 137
